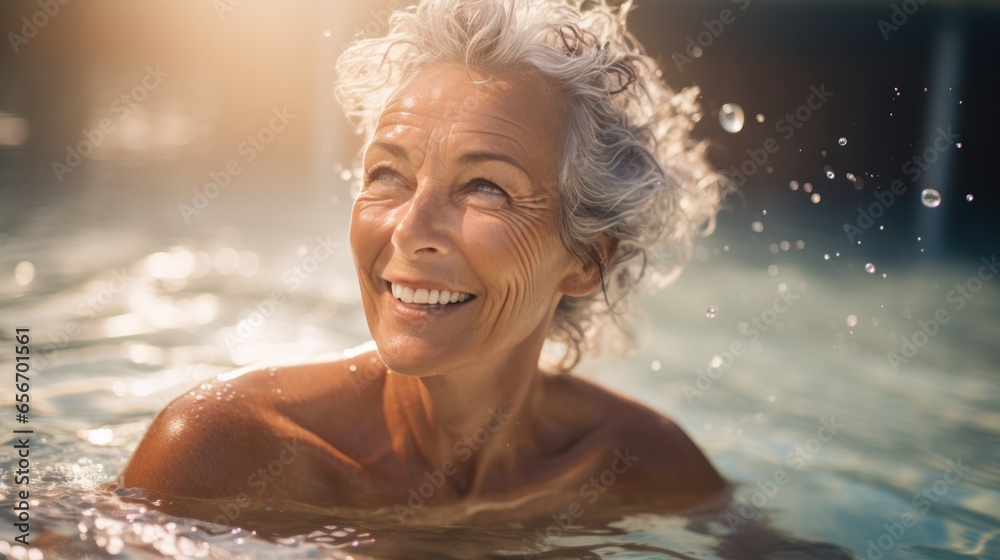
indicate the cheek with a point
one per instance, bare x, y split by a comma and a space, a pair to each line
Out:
519, 259
370, 223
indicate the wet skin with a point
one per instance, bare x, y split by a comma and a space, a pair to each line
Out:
460, 195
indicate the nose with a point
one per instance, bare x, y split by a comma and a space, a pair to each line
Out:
422, 229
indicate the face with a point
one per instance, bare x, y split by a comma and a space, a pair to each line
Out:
460, 203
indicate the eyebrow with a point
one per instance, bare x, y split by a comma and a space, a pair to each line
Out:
467, 158
476, 157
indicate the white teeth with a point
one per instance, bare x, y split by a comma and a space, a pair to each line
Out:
422, 296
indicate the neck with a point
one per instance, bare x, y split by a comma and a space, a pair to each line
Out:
476, 422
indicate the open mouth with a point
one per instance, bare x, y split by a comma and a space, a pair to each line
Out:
428, 298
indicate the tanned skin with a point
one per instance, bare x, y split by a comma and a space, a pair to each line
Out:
460, 195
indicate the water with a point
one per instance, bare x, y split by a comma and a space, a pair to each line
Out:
731, 117
930, 198
138, 307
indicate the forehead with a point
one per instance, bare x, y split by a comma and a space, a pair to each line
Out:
517, 113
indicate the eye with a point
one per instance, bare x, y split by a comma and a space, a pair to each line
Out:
379, 173
488, 187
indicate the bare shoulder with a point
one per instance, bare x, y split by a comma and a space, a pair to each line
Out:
661, 456
242, 433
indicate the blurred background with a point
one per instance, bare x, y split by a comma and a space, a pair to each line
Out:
181, 86
175, 189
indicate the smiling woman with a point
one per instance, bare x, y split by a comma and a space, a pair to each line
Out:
525, 171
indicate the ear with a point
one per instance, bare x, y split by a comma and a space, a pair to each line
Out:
584, 278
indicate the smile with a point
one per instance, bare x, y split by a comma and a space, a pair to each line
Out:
424, 296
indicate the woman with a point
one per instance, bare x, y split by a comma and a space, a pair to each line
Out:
524, 170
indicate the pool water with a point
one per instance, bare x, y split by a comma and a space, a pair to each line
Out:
787, 385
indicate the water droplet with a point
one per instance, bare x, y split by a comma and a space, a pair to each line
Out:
808, 187
850, 177
852, 320
24, 273
826, 256
711, 312
696, 51
815, 198
870, 268
656, 365
327, 33
715, 362
829, 172
760, 117
969, 198
931, 198
958, 145
785, 245
757, 226
842, 141
772, 270
731, 117
794, 185
800, 244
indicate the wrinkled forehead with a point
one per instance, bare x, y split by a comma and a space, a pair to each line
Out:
517, 110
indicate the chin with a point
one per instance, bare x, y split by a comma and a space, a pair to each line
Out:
410, 357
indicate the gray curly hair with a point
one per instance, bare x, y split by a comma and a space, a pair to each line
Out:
628, 171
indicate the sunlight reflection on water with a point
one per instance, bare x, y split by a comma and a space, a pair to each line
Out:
141, 321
